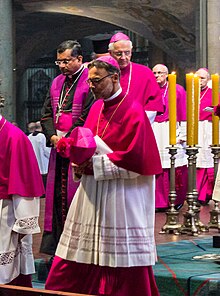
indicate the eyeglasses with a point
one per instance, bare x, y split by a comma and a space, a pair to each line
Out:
64, 61
95, 81
120, 53
159, 73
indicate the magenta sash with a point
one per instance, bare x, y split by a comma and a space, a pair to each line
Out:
79, 96
64, 122
50, 192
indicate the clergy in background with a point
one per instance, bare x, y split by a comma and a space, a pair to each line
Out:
161, 131
137, 80
204, 162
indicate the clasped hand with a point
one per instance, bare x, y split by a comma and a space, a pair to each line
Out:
80, 169
54, 140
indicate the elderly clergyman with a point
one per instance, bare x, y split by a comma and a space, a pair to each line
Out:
135, 78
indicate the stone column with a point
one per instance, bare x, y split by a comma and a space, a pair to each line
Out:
201, 34
7, 59
213, 24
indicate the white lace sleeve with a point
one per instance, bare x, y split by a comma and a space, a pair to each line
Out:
104, 169
26, 211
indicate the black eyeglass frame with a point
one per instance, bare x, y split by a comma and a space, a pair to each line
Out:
64, 61
95, 81
160, 73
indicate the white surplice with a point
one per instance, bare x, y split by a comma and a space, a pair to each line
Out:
205, 156
111, 218
161, 132
17, 215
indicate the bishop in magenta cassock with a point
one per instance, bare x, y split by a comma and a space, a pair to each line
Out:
205, 165
107, 246
20, 188
135, 78
161, 131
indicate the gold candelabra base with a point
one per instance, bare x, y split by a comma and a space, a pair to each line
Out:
172, 224
199, 224
215, 218
214, 221
191, 223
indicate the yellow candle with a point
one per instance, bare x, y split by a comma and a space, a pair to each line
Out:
196, 108
172, 107
190, 109
215, 101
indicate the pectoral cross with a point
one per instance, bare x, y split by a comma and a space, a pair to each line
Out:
58, 114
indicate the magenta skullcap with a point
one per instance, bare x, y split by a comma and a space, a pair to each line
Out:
205, 69
109, 60
118, 37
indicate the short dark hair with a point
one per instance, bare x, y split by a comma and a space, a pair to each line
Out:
70, 44
100, 64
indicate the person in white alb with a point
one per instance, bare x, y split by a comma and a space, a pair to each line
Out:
42, 152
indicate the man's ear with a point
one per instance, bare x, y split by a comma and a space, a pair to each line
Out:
115, 77
80, 58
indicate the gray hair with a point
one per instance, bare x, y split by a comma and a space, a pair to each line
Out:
112, 47
164, 67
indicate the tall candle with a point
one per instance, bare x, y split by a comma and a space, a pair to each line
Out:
196, 108
215, 101
172, 107
190, 109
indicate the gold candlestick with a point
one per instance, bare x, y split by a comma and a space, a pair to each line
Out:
190, 109
215, 101
189, 225
172, 107
196, 205
172, 224
215, 212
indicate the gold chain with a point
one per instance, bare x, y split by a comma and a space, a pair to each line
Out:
107, 124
